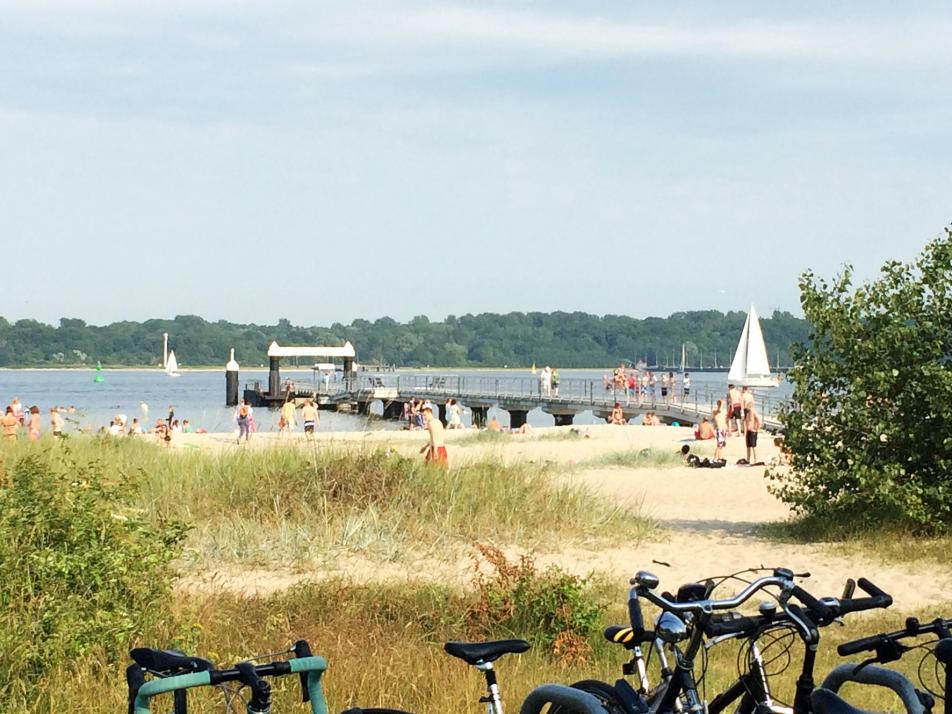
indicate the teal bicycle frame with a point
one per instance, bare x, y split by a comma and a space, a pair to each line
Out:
312, 667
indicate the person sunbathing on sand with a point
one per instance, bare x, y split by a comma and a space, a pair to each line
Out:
617, 415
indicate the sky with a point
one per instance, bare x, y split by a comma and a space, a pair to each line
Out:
327, 161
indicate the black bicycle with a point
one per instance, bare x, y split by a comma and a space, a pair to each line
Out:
692, 622
934, 671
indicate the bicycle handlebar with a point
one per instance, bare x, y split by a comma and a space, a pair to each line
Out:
913, 628
311, 668
708, 605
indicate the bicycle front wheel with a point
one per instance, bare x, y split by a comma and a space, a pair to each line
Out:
605, 693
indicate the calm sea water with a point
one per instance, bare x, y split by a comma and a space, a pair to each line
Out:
200, 396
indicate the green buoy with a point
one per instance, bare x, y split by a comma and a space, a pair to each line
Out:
98, 378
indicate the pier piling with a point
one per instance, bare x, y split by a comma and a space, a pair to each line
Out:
231, 381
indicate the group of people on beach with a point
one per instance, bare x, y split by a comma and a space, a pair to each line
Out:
642, 385
733, 416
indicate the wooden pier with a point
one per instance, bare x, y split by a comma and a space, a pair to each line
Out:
516, 395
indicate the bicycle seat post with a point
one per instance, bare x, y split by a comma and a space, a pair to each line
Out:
492, 700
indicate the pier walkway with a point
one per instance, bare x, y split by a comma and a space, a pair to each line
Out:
520, 395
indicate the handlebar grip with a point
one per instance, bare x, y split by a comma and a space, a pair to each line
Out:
871, 589
635, 616
303, 649
861, 645
811, 602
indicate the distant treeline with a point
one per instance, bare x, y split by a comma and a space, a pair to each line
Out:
516, 339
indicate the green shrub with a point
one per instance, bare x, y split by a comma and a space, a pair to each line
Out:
551, 608
870, 434
82, 571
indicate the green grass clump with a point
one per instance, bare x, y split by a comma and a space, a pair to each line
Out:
643, 458
487, 436
82, 569
561, 435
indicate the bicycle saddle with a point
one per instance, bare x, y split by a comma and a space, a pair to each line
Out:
620, 635
477, 652
168, 661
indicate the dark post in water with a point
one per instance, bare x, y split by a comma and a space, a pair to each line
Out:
274, 377
231, 381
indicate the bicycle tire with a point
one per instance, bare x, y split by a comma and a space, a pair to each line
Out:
605, 693
373, 710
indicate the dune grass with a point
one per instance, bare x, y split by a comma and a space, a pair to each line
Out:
291, 507
642, 458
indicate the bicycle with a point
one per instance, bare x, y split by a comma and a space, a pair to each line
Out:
175, 672
888, 647
481, 655
690, 616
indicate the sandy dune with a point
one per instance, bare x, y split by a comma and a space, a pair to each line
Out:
708, 516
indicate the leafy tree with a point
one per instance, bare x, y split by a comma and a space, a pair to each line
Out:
871, 436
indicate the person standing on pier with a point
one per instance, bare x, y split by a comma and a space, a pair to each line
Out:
545, 382
436, 449
555, 379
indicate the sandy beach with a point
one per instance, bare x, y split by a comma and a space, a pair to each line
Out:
708, 518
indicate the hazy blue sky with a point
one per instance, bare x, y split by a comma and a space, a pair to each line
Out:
326, 161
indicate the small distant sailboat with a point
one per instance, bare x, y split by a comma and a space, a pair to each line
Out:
171, 365
751, 366
682, 358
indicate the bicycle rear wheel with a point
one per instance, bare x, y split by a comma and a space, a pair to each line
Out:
602, 691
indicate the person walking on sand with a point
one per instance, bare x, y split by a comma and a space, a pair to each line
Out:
456, 414
287, 411
752, 424
311, 419
436, 448
720, 428
243, 417
33, 424
9, 424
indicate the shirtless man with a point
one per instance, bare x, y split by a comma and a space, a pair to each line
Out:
311, 418
752, 424
704, 431
436, 449
734, 408
746, 402
720, 428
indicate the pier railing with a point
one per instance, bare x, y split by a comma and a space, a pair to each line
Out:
572, 393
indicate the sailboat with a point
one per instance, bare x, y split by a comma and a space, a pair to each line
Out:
751, 367
171, 366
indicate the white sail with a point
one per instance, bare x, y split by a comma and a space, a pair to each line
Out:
751, 366
171, 366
